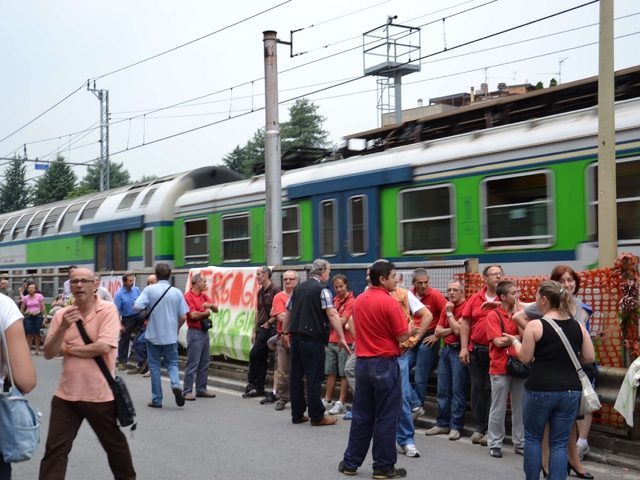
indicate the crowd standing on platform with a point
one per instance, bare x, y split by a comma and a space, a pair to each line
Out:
371, 343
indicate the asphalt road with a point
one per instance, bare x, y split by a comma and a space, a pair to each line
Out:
232, 438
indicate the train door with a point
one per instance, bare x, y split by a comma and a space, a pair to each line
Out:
346, 227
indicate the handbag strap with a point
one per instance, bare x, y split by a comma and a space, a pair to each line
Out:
503, 329
99, 360
6, 343
565, 341
155, 304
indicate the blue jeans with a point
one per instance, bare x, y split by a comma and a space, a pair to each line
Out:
426, 361
452, 397
405, 430
170, 354
198, 358
140, 346
376, 407
560, 409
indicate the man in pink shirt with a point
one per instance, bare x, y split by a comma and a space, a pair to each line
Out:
83, 391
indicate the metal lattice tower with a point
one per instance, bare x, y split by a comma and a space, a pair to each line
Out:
103, 96
389, 52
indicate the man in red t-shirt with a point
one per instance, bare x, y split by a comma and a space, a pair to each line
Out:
379, 325
474, 350
452, 374
426, 353
199, 349
290, 280
499, 321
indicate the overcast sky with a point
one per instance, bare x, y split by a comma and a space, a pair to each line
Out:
49, 49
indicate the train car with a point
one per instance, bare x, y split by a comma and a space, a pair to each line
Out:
521, 195
125, 228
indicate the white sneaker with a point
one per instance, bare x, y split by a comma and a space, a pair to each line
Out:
410, 450
582, 450
416, 414
327, 405
454, 435
437, 430
338, 409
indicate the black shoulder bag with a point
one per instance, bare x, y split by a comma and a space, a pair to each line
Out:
148, 314
515, 368
125, 411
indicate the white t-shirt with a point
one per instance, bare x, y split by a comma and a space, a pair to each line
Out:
9, 314
414, 304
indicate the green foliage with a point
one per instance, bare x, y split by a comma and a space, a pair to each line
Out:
146, 178
79, 192
304, 129
553, 82
118, 177
13, 189
539, 86
57, 182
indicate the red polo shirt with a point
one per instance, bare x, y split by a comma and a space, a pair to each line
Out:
435, 303
278, 306
443, 321
378, 320
194, 302
345, 308
498, 356
478, 318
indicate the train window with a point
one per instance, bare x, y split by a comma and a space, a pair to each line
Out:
6, 229
69, 218
111, 252
18, 231
427, 219
16, 281
518, 211
147, 197
34, 226
46, 284
358, 225
291, 232
328, 228
148, 248
236, 238
51, 220
127, 201
196, 241
627, 200
92, 207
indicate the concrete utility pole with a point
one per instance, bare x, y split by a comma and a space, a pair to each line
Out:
607, 209
272, 166
103, 96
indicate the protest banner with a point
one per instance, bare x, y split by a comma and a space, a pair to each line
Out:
112, 283
235, 292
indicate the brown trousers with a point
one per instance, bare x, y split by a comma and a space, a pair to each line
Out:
66, 418
284, 363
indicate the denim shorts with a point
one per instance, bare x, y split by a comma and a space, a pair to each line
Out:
335, 361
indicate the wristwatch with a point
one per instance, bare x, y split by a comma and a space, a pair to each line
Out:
449, 314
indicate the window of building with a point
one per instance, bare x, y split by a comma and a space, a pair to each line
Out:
51, 220
148, 248
426, 216
328, 227
69, 218
92, 207
627, 200
236, 237
111, 251
518, 211
34, 226
358, 225
196, 241
6, 229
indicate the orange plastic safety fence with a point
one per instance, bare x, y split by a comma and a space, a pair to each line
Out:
598, 289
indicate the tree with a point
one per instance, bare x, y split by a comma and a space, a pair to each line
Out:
304, 129
553, 82
13, 189
146, 178
118, 177
55, 184
539, 86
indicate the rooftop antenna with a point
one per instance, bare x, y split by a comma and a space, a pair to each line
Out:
559, 72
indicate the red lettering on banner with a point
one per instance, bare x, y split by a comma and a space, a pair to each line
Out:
226, 292
237, 289
250, 294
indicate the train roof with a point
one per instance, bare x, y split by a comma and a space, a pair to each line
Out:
130, 206
542, 135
